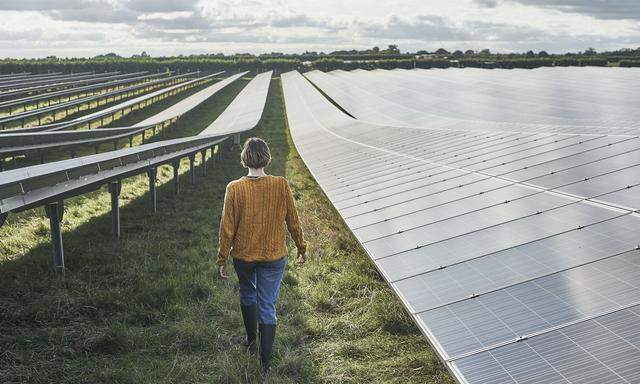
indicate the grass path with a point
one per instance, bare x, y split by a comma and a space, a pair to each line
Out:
148, 308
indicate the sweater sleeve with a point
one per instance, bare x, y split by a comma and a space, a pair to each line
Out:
293, 224
227, 226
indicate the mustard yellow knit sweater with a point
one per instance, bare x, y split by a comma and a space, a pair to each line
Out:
257, 212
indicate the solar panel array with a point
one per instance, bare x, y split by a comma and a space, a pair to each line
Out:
51, 183
18, 143
567, 100
77, 102
69, 177
504, 218
161, 87
104, 83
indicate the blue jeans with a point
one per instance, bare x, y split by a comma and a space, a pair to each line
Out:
260, 284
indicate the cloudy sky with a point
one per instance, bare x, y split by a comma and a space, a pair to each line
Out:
37, 28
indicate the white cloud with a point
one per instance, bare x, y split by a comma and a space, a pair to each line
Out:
162, 27
166, 16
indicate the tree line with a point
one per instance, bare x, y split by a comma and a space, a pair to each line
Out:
373, 58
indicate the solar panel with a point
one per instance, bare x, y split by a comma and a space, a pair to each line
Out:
506, 236
520, 100
31, 186
189, 103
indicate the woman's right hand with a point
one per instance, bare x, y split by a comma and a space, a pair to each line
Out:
222, 272
301, 258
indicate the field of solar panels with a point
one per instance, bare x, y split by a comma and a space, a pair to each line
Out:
501, 206
469, 225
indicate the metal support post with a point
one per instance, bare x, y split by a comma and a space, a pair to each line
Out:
153, 172
114, 189
55, 212
192, 168
176, 176
203, 163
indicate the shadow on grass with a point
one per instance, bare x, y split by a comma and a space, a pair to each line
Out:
146, 307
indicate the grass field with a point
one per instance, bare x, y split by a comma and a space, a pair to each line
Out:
148, 308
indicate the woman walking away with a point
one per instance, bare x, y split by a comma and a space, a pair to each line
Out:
257, 207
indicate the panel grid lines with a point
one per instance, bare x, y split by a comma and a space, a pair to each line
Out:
526, 231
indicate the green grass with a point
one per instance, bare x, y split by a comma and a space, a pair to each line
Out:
148, 308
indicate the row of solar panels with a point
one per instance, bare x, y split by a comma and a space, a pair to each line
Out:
16, 75
108, 82
49, 184
545, 100
516, 251
65, 85
23, 143
115, 94
105, 112
32, 86
46, 79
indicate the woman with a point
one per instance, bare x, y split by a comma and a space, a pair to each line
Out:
257, 207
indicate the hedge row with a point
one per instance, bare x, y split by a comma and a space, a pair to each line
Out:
281, 65
534, 63
333, 64
630, 63
148, 64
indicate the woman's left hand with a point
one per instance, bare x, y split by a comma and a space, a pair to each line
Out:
222, 272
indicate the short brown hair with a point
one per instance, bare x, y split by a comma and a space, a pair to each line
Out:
255, 153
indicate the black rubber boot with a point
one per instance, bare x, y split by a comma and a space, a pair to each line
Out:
250, 318
267, 335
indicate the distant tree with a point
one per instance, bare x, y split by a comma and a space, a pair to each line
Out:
442, 51
469, 52
530, 53
457, 53
144, 54
590, 51
375, 49
109, 55
543, 54
422, 52
393, 49
485, 52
